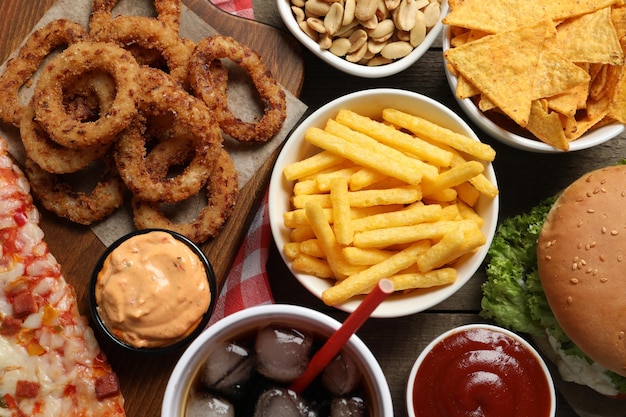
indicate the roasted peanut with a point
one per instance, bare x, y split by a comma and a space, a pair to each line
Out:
365, 9
368, 32
333, 19
395, 50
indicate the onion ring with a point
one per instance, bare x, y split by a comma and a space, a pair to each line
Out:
137, 32
77, 59
163, 97
222, 191
203, 85
168, 11
20, 69
59, 196
53, 157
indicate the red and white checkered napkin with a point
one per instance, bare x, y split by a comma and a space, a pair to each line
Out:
241, 8
247, 284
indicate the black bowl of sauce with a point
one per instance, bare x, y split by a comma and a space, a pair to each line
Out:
152, 292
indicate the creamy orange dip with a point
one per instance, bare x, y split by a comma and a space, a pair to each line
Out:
152, 290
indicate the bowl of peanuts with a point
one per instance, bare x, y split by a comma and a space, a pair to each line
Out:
383, 183
365, 38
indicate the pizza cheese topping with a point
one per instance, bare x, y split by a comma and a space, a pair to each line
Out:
50, 361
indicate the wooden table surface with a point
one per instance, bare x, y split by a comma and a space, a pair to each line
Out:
524, 179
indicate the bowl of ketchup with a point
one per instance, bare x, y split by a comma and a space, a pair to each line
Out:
480, 370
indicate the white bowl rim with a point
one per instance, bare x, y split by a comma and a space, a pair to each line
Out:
592, 138
186, 366
284, 9
389, 307
462, 328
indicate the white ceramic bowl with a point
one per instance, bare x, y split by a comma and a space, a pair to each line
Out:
284, 9
187, 367
592, 138
371, 103
466, 396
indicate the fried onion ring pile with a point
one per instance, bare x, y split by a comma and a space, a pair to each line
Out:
127, 106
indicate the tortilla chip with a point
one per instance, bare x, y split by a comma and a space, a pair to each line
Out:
465, 89
495, 15
590, 38
566, 9
556, 75
546, 126
499, 66
617, 108
569, 102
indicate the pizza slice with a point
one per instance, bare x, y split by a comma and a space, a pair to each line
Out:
50, 361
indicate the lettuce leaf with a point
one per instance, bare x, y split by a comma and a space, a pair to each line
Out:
512, 293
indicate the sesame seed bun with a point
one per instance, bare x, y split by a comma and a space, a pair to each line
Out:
581, 254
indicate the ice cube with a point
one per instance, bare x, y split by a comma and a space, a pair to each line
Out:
228, 369
341, 375
209, 405
282, 352
347, 407
281, 402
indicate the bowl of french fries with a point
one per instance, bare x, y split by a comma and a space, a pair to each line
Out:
545, 82
367, 38
383, 183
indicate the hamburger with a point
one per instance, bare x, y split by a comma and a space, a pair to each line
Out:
558, 273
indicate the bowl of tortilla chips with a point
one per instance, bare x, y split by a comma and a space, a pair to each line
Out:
536, 76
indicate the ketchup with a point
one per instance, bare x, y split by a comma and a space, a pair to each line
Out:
480, 372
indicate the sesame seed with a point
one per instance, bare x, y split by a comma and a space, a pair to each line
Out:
548, 258
570, 299
603, 280
614, 232
603, 230
602, 257
590, 211
621, 335
574, 281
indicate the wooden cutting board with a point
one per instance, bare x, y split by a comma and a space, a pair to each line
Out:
77, 248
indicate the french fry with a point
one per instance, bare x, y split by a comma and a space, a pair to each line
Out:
382, 238
310, 165
415, 214
452, 177
313, 248
312, 266
324, 233
341, 210
302, 233
438, 134
323, 180
364, 198
467, 193
366, 257
368, 142
480, 182
364, 178
439, 254
434, 278
306, 187
366, 279
292, 249
409, 172
395, 138
452, 246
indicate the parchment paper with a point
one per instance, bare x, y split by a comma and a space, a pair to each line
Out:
248, 158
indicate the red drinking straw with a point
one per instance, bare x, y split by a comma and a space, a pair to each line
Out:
337, 340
